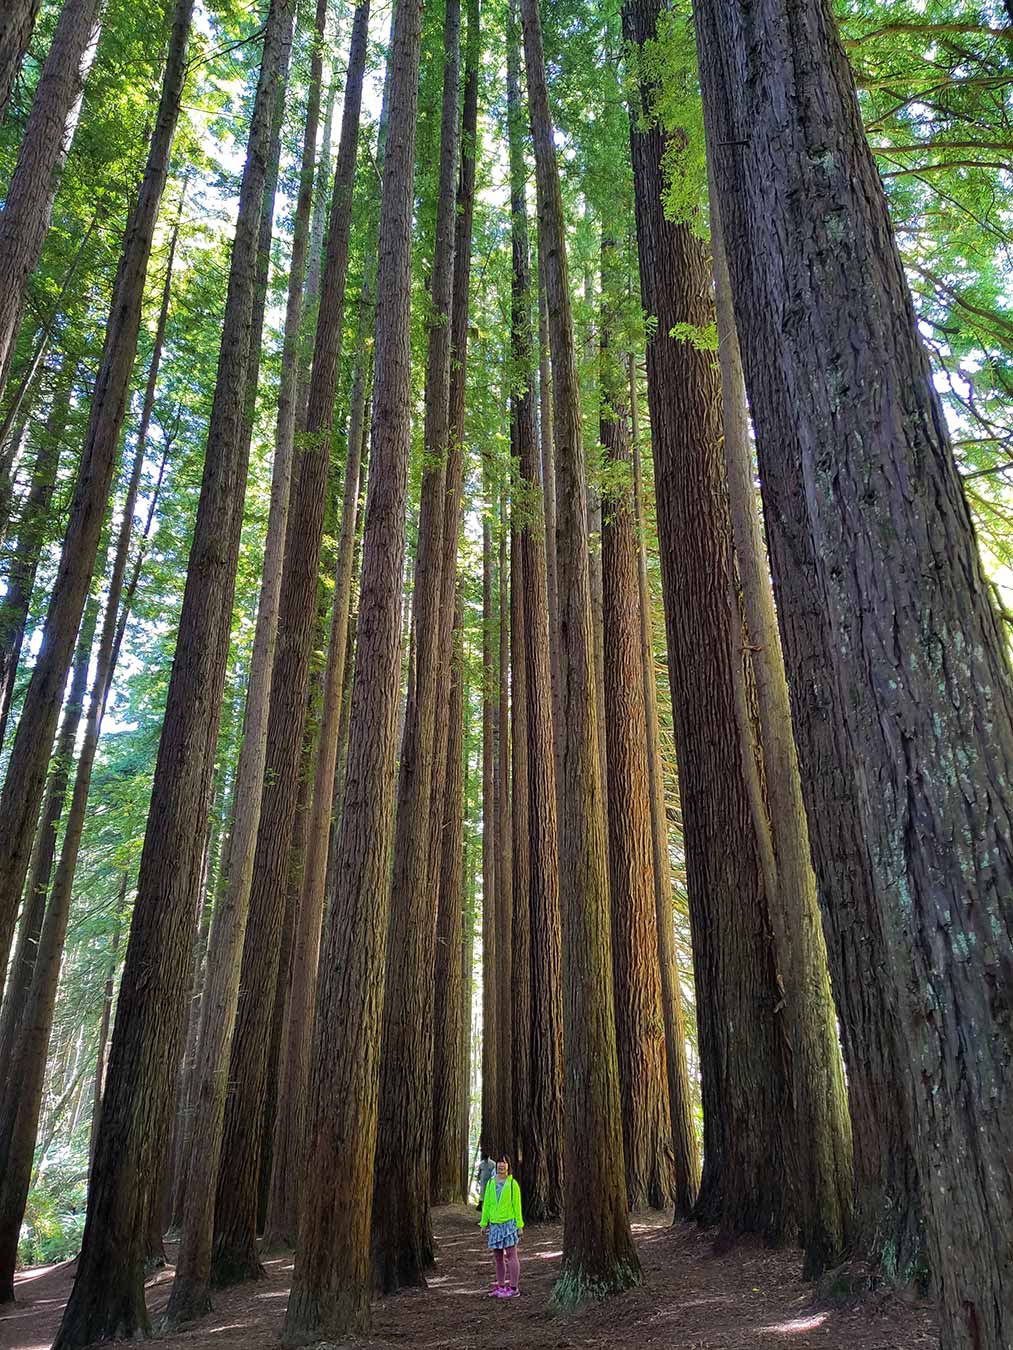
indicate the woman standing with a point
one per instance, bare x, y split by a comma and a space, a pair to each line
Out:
501, 1214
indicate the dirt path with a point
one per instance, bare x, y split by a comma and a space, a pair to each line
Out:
690, 1300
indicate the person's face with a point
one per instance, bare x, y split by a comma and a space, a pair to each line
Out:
501, 1169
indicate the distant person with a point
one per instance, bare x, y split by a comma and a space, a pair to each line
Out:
486, 1172
501, 1214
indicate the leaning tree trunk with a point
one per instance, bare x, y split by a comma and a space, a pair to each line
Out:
44, 852
150, 1016
687, 1159
822, 1153
26, 772
235, 1228
28, 204
33, 527
402, 1242
847, 418
19, 405
743, 1073
105, 1022
448, 806
19, 1113
640, 1022
598, 1252
189, 1295
16, 24
539, 1123
332, 1284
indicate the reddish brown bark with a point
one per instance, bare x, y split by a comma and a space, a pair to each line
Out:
539, 1026
44, 853
33, 527
235, 1254
218, 1007
491, 1128
28, 204
149, 1023
684, 1142
447, 803
16, 24
745, 1185
640, 1023
504, 841
402, 1240
19, 1115
283, 1218
848, 421
598, 1252
23, 786
331, 1286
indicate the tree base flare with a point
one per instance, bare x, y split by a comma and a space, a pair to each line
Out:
235, 1267
189, 1301
576, 1289
314, 1320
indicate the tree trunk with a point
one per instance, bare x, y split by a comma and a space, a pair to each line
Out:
845, 412
504, 850
283, 1213
680, 1095
23, 786
19, 405
33, 529
640, 1022
16, 24
447, 802
451, 1006
19, 1121
548, 478
173, 1162
235, 1253
108, 998
402, 1240
280, 1015
149, 1024
331, 1285
743, 1079
28, 204
520, 936
37, 889
539, 1118
189, 1297
824, 1178
491, 1125
598, 1252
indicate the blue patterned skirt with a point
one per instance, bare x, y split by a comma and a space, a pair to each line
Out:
502, 1235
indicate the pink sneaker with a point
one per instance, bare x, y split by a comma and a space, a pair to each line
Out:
509, 1292
496, 1291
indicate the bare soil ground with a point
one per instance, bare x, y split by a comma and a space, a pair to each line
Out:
690, 1300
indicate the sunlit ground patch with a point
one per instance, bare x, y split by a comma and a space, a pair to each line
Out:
797, 1326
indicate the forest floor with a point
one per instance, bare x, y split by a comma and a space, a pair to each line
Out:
690, 1300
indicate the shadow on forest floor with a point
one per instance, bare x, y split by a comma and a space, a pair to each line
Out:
690, 1300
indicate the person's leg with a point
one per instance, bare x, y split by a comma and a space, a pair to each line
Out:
501, 1274
513, 1267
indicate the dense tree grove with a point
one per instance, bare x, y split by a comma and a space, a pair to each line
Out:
506, 591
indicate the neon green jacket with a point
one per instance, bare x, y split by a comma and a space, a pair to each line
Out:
507, 1207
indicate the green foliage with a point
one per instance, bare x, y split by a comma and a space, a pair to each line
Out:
54, 1218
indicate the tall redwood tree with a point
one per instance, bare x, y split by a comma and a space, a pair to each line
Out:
848, 423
